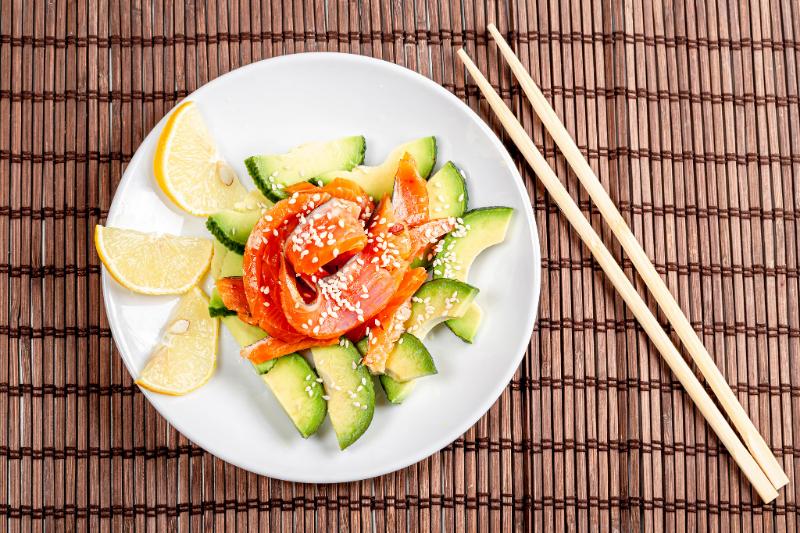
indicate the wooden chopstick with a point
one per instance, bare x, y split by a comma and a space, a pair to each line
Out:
750, 435
589, 236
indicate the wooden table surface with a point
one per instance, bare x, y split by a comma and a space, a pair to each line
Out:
689, 113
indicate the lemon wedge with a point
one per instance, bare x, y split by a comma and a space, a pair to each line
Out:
188, 167
187, 354
148, 263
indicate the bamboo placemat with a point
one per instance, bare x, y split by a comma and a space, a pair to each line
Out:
689, 113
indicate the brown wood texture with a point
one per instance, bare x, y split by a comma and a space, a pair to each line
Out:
689, 112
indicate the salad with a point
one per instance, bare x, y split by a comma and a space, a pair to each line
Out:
332, 273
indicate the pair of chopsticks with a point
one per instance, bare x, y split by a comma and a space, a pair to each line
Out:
754, 457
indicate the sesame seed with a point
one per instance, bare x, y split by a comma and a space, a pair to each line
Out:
354, 365
357, 404
319, 380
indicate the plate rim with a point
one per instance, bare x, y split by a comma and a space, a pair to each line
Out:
496, 390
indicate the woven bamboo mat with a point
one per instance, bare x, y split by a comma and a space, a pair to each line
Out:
689, 113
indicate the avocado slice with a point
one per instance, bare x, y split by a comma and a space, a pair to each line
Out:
290, 378
244, 333
379, 180
273, 173
410, 359
287, 377
232, 227
295, 385
478, 230
229, 265
466, 326
396, 392
263, 368
447, 193
220, 251
349, 387
216, 307
436, 301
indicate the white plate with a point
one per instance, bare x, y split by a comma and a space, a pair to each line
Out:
271, 106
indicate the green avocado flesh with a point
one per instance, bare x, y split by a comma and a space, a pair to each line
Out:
285, 376
232, 227
447, 193
480, 229
466, 326
216, 307
409, 359
436, 301
350, 390
273, 173
220, 251
295, 385
379, 180
229, 265
395, 391
243, 333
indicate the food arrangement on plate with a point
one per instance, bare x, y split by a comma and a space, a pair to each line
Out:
330, 274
